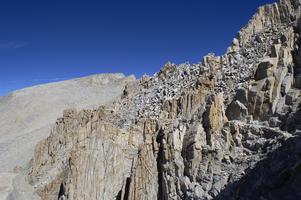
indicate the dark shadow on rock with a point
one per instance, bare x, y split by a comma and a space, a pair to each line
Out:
276, 177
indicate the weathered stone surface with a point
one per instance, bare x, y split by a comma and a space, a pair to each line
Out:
166, 69
277, 177
236, 111
266, 68
242, 95
292, 96
214, 117
275, 50
28, 114
286, 84
168, 137
81, 148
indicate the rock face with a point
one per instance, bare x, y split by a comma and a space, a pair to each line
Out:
27, 115
265, 181
226, 128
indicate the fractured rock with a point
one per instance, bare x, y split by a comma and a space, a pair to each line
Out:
265, 68
169, 136
236, 111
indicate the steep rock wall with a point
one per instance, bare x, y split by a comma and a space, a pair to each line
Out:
190, 131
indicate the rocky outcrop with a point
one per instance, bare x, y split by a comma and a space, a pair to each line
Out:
28, 114
266, 181
85, 145
192, 131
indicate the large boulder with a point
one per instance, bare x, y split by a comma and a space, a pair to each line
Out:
242, 95
236, 111
265, 68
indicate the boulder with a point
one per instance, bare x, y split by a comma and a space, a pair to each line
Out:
242, 95
259, 39
291, 96
167, 69
211, 61
274, 122
236, 111
265, 68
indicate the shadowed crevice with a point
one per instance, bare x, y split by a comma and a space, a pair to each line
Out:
276, 177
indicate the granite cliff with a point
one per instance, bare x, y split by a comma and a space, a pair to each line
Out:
225, 128
27, 116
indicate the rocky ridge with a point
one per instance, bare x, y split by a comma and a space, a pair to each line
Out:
27, 116
193, 131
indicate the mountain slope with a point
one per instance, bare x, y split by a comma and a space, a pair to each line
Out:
27, 114
192, 131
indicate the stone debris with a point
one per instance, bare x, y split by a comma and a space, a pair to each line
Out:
191, 131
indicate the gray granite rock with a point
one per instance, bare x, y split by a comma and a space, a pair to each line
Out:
170, 137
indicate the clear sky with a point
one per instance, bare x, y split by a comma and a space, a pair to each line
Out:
48, 40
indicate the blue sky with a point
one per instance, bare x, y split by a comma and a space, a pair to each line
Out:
49, 40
